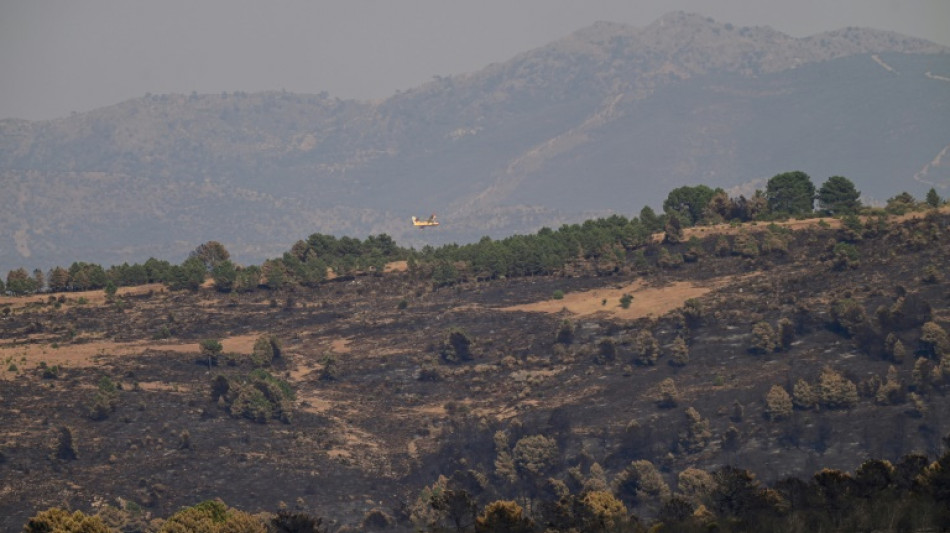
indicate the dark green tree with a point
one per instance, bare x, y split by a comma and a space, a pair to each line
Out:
790, 193
838, 196
58, 279
19, 282
933, 199
688, 203
210, 253
224, 275
649, 219
900, 204
189, 275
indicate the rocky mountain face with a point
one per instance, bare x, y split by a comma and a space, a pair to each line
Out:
605, 120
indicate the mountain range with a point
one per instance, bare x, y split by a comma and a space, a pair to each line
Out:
605, 120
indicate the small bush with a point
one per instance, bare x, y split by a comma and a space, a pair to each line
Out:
835, 391
211, 348
457, 347
558, 294
679, 352
778, 403
565, 332
667, 396
648, 349
764, 340
625, 301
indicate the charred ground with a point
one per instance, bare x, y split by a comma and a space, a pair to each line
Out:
383, 403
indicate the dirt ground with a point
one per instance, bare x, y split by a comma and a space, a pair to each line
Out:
647, 300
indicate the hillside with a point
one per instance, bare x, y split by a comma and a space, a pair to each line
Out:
604, 120
382, 383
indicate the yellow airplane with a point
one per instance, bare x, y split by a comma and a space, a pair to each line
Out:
422, 224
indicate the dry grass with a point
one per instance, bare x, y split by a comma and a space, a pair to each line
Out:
29, 355
647, 301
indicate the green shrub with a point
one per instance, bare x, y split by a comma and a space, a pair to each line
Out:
457, 347
56, 520
259, 396
625, 301
266, 349
778, 403
764, 340
648, 349
558, 294
211, 348
679, 352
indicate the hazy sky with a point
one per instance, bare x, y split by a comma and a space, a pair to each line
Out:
61, 56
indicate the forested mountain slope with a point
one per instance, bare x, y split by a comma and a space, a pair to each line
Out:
605, 120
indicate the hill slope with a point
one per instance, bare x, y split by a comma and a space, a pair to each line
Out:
382, 402
607, 119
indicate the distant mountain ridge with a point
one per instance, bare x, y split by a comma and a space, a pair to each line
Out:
607, 119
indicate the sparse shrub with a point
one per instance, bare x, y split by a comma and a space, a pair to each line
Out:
894, 348
666, 259
648, 349
376, 519
625, 301
849, 316
534, 455
266, 349
738, 412
722, 248
211, 348
259, 397
565, 332
65, 445
786, 333
679, 352
162, 333
692, 313
934, 340
607, 350
640, 482
288, 522
764, 340
803, 395
695, 485
429, 372
697, 434
918, 406
503, 516
668, 396
921, 375
104, 399
457, 347
891, 391
184, 440
835, 391
745, 245
504, 463
212, 515
558, 294
403, 304
931, 274
731, 439
330, 370
600, 511
845, 256
778, 403
56, 520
